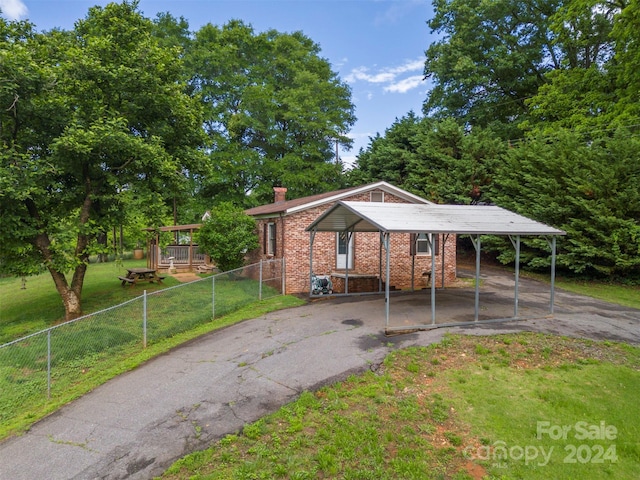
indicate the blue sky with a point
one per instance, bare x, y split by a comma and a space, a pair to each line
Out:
376, 46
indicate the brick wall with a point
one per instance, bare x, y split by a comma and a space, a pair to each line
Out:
293, 243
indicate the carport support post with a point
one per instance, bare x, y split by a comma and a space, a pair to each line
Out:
346, 269
476, 244
433, 278
380, 262
516, 244
385, 239
553, 272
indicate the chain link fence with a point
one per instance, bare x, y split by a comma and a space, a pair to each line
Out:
48, 362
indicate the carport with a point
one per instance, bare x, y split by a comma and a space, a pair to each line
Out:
472, 220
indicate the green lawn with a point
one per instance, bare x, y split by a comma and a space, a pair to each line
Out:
38, 306
628, 296
442, 412
467, 408
87, 353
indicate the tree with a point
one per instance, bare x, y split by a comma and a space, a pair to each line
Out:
492, 56
437, 160
584, 93
273, 112
87, 115
589, 189
227, 235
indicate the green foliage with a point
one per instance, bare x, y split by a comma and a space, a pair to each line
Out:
227, 235
511, 64
490, 58
95, 122
274, 109
588, 190
434, 159
565, 73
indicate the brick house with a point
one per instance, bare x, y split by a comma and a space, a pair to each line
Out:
282, 231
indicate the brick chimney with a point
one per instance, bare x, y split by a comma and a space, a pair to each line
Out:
280, 194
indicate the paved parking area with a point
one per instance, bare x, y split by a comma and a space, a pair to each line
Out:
136, 425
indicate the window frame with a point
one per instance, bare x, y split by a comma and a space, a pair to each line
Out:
427, 239
270, 231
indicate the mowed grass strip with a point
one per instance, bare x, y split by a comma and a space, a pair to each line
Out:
467, 408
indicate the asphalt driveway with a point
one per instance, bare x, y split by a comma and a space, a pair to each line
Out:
136, 425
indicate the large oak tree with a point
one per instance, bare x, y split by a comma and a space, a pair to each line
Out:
273, 112
84, 116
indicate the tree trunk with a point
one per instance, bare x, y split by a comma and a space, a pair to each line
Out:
70, 295
102, 241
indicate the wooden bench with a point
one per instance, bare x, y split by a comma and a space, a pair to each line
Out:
125, 280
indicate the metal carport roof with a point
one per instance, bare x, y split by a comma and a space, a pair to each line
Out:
473, 220
412, 218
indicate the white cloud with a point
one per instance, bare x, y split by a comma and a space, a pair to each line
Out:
410, 66
13, 9
361, 73
404, 85
342, 62
359, 136
397, 10
392, 78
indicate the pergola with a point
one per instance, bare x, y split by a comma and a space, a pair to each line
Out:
472, 220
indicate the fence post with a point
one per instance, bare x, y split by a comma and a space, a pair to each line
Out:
49, 364
260, 284
213, 297
144, 319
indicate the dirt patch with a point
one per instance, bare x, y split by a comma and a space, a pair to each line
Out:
186, 277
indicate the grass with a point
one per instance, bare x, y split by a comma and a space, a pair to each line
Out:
93, 350
424, 416
619, 293
467, 408
38, 306
628, 296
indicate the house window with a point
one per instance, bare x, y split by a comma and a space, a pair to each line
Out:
270, 238
421, 242
377, 196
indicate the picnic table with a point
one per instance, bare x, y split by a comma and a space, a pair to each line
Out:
135, 275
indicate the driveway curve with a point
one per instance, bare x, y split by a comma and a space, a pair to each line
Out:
137, 424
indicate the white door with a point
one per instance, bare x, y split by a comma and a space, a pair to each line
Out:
344, 250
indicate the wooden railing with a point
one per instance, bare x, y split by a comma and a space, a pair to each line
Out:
182, 255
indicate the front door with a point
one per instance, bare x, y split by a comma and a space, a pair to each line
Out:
344, 250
